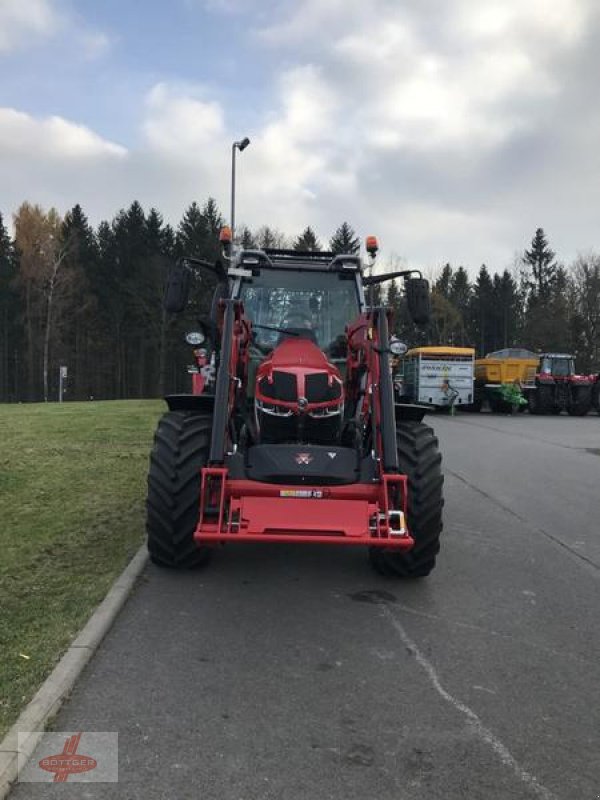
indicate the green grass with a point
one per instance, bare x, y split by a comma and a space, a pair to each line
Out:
72, 492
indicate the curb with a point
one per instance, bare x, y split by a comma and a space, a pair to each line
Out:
49, 697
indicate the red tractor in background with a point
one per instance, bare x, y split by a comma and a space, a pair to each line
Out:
557, 387
299, 438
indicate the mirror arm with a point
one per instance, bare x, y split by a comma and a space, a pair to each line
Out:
193, 264
369, 280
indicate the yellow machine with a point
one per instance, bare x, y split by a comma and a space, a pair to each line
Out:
506, 370
501, 376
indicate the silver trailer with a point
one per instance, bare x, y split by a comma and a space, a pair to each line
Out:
442, 377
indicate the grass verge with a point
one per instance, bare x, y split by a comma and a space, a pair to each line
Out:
72, 492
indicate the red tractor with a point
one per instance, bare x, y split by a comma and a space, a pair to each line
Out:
300, 439
557, 387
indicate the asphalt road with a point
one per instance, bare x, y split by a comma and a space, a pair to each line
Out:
296, 672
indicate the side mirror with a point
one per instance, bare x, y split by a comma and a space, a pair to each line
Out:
417, 299
178, 289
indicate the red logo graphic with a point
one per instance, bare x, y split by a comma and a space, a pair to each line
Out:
69, 762
303, 458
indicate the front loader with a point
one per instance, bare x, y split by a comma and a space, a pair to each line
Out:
298, 439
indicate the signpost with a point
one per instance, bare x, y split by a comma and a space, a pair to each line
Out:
62, 376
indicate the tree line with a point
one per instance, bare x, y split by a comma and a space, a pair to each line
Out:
540, 304
91, 299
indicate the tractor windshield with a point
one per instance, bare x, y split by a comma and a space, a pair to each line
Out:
558, 367
321, 302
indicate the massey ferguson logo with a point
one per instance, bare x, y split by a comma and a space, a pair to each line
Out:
303, 458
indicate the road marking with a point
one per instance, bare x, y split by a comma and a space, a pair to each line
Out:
484, 734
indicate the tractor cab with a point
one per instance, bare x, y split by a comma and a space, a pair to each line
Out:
302, 295
557, 365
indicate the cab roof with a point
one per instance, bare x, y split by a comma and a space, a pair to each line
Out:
274, 258
441, 351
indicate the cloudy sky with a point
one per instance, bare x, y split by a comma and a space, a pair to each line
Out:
450, 128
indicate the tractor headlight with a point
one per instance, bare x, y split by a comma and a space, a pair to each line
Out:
195, 338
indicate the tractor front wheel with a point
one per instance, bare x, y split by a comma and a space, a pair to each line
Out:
420, 460
181, 448
541, 400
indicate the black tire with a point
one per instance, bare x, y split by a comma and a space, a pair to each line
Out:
475, 406
582, 402
420, 460
499, 406
540, 400
181, 447
596, 396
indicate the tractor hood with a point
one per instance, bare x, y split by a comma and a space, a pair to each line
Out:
299, 393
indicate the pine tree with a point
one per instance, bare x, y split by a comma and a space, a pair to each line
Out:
460, 297
307, 241
545, 282
394, 301
443, 282
81, 334
247, 239
266, 237
507, 305
192, 233
345, 240
214, 221
9, 340
540, 258
160, 245
482, 312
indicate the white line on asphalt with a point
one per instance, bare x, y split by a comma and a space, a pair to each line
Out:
485, 734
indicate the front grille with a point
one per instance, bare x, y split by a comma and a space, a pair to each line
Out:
283, 387
318, 389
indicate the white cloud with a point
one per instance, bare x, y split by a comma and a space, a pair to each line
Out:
463, 87
22, 19
561, 21
179, 124
27, 23
448, 128
55, 138
56, 162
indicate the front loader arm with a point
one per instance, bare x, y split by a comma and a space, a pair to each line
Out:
368, 370
231, 376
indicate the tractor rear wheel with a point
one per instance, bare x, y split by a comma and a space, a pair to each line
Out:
420, 460
596, 395
181, 447
581, 402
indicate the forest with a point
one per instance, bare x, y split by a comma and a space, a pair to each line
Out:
90, 299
